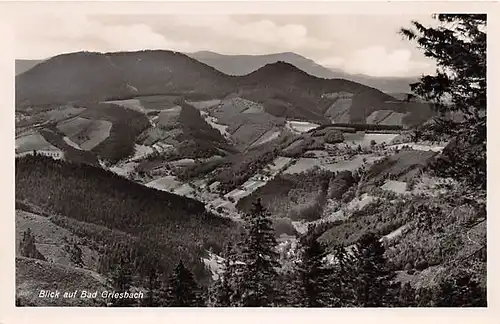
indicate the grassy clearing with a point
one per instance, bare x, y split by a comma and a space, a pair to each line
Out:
420, 147
386, 117
267, 137
85, 132
124, 169
57, 115
133, 104
300, 126
245, 128
398, 187
169, 118
306, 164
31, 142
206, 104
167, 183
365, 140
52, 240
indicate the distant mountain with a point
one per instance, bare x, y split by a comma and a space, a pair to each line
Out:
25, 65
86, 76
244, 64
283, 89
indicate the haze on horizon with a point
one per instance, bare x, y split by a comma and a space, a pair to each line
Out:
357, 44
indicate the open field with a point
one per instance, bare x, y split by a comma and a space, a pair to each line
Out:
32, 142
141, 151
133, 104
398, 187
385, 117
377, 116
57, 115
212, 121
364, 140
201, 105
71, 143
304, 164
267, 137
300, 126
167, 183
84, 132
52, 240
169, 117
246, 120
394, 119
420, 147
124, 169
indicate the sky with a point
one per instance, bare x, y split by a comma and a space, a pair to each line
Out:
364, 44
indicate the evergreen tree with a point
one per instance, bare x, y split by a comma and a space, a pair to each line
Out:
314, 275
153, 284
460, 291
291, 284
28, 246
343, 279
76, 255
224, 288
260, 258
121, 281
423, 297
182, 290
373, 283
458, 46
406, 296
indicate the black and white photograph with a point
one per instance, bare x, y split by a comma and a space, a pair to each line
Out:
333, 160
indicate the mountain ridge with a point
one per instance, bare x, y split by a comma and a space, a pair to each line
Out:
91, 76
244, 64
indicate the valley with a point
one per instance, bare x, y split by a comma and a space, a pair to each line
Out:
132, 166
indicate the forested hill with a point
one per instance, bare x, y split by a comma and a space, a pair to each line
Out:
179, 227
285, 90
94, 195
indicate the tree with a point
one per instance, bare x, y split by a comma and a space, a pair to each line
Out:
182, 290
407, 296
121, 281
153, 284
458, 45
460, 291
28, 246
373, 283
344, 278
76, 255
314, 274
261, 261
225, 289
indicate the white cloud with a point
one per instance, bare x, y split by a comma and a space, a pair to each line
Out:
262, 31
378, 61
376, 50
40, 37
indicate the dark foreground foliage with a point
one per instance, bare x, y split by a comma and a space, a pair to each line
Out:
160, 227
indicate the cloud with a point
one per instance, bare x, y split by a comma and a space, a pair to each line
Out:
355, 43
259, 32
40, 37
378, 61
